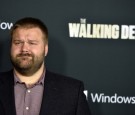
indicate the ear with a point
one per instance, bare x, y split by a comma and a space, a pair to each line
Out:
46, 49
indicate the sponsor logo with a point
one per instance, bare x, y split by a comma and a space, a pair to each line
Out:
86, 93
101, 31
114, 99
5, 25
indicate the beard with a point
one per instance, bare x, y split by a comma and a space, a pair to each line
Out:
27, 64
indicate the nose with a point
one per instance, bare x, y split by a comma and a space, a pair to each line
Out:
25, 47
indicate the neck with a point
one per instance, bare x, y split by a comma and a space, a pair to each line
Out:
28, 80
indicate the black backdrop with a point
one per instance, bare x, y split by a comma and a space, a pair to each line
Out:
106, 66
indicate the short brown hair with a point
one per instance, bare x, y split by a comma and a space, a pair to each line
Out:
29, 22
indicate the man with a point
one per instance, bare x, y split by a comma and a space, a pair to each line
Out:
30, 89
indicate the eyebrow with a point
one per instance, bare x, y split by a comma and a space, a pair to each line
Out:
23, 40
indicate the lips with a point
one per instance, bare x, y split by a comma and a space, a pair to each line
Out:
24, 55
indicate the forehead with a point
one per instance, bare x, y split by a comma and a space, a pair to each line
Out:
35, 31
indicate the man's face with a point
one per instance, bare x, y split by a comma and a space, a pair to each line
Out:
28, 50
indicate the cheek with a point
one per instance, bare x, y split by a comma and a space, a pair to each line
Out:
39, 53
37, 49
14, 50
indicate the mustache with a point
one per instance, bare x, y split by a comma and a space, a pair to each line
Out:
24, 54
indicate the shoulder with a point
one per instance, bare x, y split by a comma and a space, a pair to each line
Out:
6, 76
7, 73
63, 81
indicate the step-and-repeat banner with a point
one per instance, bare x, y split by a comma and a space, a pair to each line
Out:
90, 40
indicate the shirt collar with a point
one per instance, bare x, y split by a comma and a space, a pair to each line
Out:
40, 81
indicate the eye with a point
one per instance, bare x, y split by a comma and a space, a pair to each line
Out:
32, 43
17, 42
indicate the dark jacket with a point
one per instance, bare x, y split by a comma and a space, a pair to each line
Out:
62, 95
